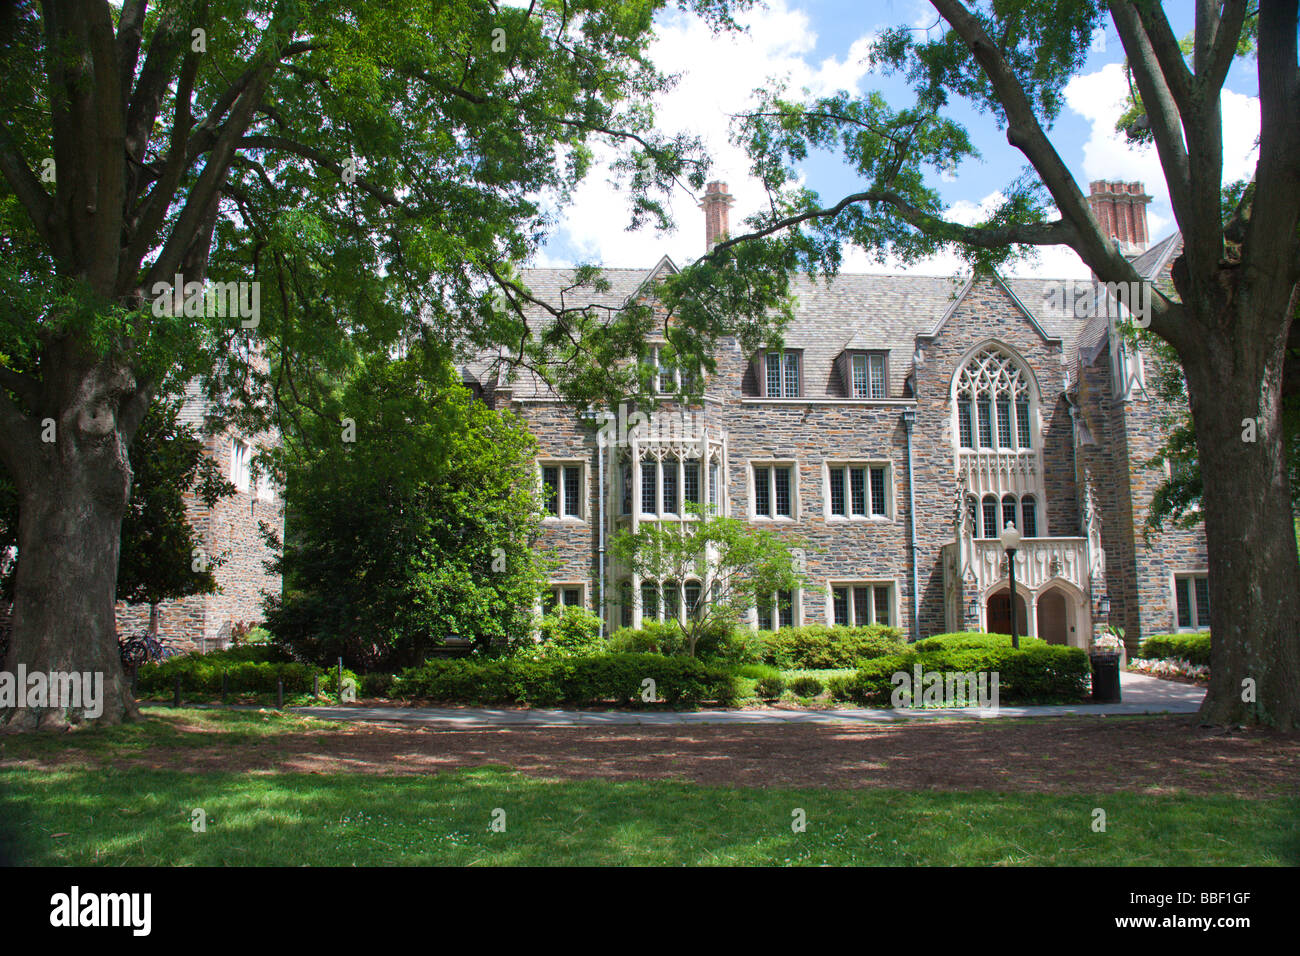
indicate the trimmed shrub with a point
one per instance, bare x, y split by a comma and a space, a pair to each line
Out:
806, 687
1193, 648
578, 681
823, 647
201, 676
1037, 674
770, 688
972, 640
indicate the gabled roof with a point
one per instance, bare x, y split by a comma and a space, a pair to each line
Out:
1002, 283
665, 266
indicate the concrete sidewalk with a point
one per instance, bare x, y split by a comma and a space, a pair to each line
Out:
1141, 695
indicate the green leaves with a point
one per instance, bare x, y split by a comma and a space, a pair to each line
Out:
420, 529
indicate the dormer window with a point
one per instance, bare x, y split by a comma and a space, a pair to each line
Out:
868, 378
781, 376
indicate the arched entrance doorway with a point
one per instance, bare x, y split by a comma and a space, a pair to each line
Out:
1053, 617
997, 616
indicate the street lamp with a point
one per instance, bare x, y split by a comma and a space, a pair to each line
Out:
1010, 538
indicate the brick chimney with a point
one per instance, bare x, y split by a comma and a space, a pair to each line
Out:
1121, 211
716, 205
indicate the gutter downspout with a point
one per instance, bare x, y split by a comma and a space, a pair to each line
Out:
600, 417
909, 421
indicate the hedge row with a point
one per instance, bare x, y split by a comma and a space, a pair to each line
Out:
972, 640
201, 674
581, 681
822, 647
1037, 674
1193, 648
811, 647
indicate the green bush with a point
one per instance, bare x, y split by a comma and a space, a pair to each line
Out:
566, 632
376, 685
1037, 674
823, 647
806, 687
971, 640
770, 688
260, 653
578, 681
719, 643
201, 676
653, 637
1193, 648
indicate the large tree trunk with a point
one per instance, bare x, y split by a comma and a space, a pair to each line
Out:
1253, 567
71, 502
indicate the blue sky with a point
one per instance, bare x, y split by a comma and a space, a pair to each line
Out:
820, 44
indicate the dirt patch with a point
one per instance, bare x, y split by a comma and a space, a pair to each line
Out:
1059, 755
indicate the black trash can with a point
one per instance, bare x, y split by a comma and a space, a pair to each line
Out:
1105, 678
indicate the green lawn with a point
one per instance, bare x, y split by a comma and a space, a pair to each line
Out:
143, 817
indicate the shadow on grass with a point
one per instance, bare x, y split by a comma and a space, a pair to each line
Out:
145, 817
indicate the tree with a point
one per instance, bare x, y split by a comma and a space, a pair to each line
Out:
254, 194
162, 558
737, 566
1235, 281
421, 528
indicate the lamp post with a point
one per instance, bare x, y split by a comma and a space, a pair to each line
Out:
1010, 538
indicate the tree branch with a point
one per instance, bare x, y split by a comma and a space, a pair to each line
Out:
1162, 112
35, 200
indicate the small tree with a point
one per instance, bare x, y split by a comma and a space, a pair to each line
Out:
736, 564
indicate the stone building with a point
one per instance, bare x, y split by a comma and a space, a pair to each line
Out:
231, 532
905, 422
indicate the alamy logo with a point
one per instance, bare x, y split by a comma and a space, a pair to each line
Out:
63, 690
1112, 299
680, 427
74, 909
944, 689
242, 300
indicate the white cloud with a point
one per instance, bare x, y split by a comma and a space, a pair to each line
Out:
718, 76
1099, 98
1057, 262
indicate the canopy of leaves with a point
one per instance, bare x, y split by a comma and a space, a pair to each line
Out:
379, 169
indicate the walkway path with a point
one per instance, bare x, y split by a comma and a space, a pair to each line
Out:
1141, 695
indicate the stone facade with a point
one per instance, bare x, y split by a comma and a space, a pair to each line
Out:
1090, 424
232, 533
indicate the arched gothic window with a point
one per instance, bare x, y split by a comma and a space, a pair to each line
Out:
992, 402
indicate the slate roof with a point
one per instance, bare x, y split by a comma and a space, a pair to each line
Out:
852, 311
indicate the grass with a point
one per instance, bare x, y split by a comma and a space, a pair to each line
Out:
86, 816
